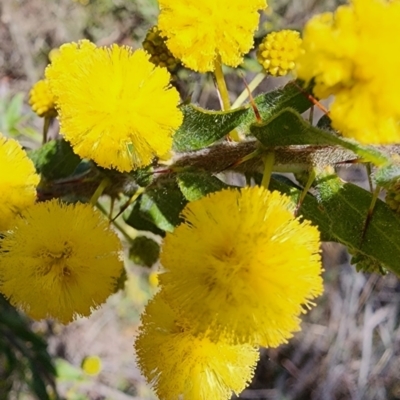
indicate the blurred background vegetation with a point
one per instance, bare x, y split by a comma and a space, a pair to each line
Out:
350, 343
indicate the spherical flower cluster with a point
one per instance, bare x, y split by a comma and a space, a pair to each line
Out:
242, 266
278, 52
18, 181
60, 261
238, 272
351, 54
41, 99
182, 365
199, 32
115, 106
154, 44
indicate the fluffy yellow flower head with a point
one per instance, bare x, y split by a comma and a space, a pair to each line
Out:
243, 266
278, 52
41, 99
177, 363
352, 54
115, 106
60, 261
198, 32
18, 181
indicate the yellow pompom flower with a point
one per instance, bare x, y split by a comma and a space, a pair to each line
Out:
199, 32
278, 52
115, 106
351, 54
60, 261
18, 181
181, 365
41, 99
242, 266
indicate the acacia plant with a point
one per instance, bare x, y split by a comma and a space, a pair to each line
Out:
239, 263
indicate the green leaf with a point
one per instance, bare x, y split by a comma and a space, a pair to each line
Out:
290, 96
387, 175
194, 186
310, 208
289, 128
14, 113
144, 251
200, 127
158, 209
341, 212
55, 159
347, 206
67, 372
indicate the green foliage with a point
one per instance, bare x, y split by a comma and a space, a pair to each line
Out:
201, 127
144, 251
55, 159
14, 120
25, 363
196, 185
158, 209
287, 127
340, 210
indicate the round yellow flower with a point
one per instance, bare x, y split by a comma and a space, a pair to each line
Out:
41, 99
278, 52
92, 365
115, 106
18, 181
177, 363
243, 266
60, 261
351, 54
198, 32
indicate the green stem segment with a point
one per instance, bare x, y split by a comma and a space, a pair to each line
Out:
223, 92
46, 126
311, 178
269, 160
99, 191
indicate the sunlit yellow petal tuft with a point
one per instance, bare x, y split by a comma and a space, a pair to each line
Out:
242, 266
177, 363
60, 261
41, 99
18, 181
115, 106
352, 55
199, 31
279, 51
